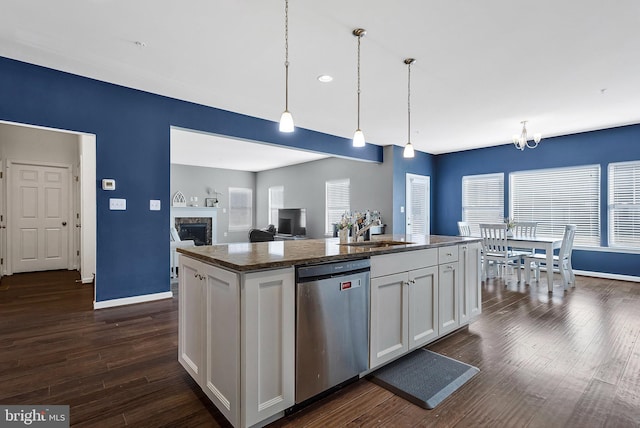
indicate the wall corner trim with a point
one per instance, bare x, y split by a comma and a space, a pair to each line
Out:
132, 300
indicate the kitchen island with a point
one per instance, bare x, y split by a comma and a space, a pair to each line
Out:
237, 310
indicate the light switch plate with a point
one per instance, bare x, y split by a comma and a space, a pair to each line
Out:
154, 205
108, 184
117, 204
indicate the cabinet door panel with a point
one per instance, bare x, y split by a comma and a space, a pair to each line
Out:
448, 298
191, 318
389, 318
222, 377
268, 343
423, 306
470, 283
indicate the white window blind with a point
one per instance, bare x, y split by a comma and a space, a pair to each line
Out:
624, 204
276, 201
482, 200
556, 197
240, 209
337, 202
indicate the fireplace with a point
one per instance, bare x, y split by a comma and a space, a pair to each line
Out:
197, 229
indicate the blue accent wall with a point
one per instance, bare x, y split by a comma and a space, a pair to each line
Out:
133, 147
588, 148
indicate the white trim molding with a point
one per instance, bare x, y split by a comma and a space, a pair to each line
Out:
606, 275
132, 300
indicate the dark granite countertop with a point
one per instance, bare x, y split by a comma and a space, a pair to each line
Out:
245, 257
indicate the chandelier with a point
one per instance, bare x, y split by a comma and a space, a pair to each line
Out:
522, 141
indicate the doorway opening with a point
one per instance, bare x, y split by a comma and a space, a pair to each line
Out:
47, 200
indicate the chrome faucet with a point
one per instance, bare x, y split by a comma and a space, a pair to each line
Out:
361, 231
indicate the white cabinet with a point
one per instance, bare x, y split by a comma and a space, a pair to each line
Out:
237, 338
191, 318
208, 336
419, 296
448, 291
403, 305
389, 336
423, 306
222, 341
268, 332
470, 283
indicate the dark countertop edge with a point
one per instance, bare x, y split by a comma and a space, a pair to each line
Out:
244, 268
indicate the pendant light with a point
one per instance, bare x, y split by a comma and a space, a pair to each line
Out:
408, 148
358, 136
286, 120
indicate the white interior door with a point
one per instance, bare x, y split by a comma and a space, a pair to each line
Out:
40, 213
417, 196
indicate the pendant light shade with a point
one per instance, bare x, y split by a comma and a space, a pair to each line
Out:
408, 151
286, 120
408, 148
358, 136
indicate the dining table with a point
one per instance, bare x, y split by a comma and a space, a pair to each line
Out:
538, 243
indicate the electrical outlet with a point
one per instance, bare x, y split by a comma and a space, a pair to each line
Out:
117, 204
154, 205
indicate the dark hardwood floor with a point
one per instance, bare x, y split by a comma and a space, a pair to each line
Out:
563, 360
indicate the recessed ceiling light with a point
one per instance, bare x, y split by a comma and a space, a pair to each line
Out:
325, 78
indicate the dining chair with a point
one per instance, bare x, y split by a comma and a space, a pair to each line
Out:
525, 229
464, 229
496, 249
561, 261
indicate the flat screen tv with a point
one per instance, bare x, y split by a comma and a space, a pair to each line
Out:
292, 221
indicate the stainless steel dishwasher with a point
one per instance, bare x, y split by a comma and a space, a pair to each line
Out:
332, 325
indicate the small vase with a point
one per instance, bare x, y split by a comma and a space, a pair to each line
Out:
343, 234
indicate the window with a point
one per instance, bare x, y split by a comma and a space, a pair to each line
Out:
240, 209
337, 202
482, 200
556, 197
276, 201
624, 204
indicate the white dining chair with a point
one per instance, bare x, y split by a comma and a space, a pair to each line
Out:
525, 229
464, 229
496, 249
561, 261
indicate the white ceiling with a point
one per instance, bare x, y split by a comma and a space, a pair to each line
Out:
214, 151
482, 66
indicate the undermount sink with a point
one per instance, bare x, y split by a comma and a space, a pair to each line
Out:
376, 243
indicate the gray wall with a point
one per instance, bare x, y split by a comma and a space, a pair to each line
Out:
194, 181
304, 187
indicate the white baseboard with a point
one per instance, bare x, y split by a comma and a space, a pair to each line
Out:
605, 275
88, 280
132, 300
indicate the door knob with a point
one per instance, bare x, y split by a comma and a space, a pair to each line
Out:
64, 223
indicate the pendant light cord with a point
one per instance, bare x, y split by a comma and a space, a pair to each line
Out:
359, 37
409, 103
286, 54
